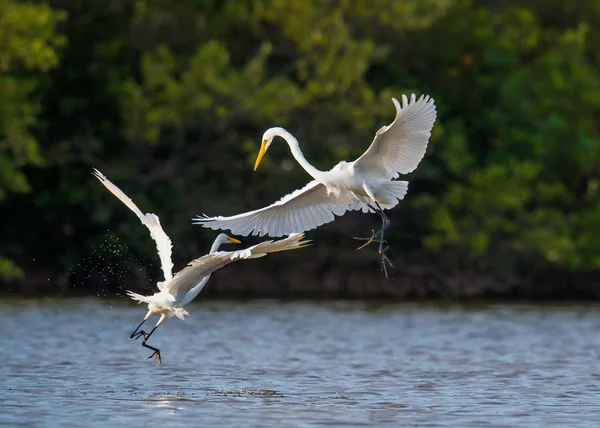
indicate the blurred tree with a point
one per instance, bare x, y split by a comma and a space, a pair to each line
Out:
28, 48
169, 99
521, 145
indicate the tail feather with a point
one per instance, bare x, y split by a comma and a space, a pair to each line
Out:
162, 300
180, 313
394, 192
138, 297
389, 194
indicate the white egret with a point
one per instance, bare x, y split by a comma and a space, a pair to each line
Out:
367, 184
179, 289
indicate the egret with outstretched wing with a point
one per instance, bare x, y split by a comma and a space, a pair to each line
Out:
367, 184
179, 289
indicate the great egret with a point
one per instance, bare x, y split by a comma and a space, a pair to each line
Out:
367, 184
192, 278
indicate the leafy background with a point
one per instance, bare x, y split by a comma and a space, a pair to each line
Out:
170, 99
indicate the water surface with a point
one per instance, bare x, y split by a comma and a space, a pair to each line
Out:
71, 363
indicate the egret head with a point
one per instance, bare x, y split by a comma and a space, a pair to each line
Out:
267, 139
233, 240
225, 239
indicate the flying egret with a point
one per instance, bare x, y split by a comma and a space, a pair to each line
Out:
367, 184
179, 289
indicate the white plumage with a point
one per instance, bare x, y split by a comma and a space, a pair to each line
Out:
303, 209
397, 148
151, 221
178, 290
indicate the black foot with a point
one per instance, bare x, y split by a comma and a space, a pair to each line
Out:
140, 334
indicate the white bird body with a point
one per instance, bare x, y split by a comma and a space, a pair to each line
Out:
180, 289
363, 184
192, 279
165, 301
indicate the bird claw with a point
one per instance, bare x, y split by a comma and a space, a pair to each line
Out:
370, 240
156, 356
375, 237
384, 259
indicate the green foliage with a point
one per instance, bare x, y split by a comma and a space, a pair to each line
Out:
28, 44
170, 99
525, 145
9, 270
28, 47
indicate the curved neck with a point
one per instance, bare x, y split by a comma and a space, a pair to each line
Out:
216, 245
299, 156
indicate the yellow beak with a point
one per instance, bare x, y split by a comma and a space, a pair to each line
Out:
233, 240
261, 153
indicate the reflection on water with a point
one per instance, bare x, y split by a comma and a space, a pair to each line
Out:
70, 362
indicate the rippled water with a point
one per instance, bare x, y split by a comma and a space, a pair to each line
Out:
70, 363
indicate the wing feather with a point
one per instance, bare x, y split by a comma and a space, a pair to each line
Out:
196, 270
399, 147
151, 221
291, 214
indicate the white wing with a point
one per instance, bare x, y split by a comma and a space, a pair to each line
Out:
198, 269
151, 221
301, 210
399, 147
194, 291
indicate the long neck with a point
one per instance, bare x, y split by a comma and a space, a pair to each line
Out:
215, 245
299, 156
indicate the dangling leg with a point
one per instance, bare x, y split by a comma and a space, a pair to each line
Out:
156, 353
382, 241
369, 192
136, 329
142, 332
382, 250
385, 223
374, 235
379, 237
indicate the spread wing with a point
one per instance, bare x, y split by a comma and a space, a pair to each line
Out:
301, 210
399, 147
198, 269
151, 221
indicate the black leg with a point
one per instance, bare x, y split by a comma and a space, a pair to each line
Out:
139, 334
374, 236
385, 224
379, 237
156, 354
142, 333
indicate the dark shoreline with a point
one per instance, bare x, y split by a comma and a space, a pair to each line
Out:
250, 282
